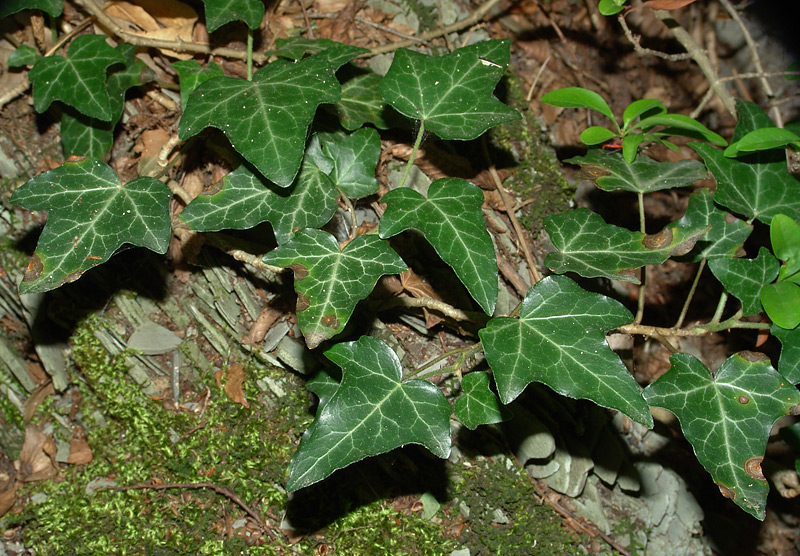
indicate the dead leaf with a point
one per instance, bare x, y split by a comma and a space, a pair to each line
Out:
149, 144
156, 19
79, 451
417, 287
667, 4
37, 459
233, 384
266, 318
35, 399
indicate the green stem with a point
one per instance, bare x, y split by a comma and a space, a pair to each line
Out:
466, 352
720, 308
642, 287
689, 297
249, 54
417, 143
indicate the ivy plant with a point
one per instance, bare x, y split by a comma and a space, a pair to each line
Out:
291, 171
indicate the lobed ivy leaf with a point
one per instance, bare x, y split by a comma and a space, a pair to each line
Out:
451, 219
246, 199
23, 56
758, 185
559, 340
592, 248
295, 48
78, 80
91, 216
352, 160
727, 417
220, 12
611, 172
266, 120
329, 281
85, 136
745, 278
362, 103
452, 94
478, 405
789, 362
372, 412
191, 74
726, 237
52, 7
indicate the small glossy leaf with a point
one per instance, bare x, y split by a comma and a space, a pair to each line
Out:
781, 301
220, 12
639, 107
247, 199
611, 7
611, 172
295, 48
745, 278
727, 234
78, 80
451, 94
630, 146
592, 248
451, 219
763, 139
372, 412
596, 134
191, 74
329, 281
362, 103
90, 216
784, 235
266, 120
52, 7
353, 159
727, 417
758, 185
478, 405
789, 362
679, 123
23, 56
578, 97
559, 340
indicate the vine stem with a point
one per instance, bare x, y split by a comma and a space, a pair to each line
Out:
643, 279
249, 54
723, 299
690, 295
466, 352
414, 150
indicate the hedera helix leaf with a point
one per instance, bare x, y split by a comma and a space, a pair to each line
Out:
592, 248
294, 48
559, 340
266, 120
191, 74
372, 412
23, 56
789, 362
644, 175
727, 234
451, 95
329, 281
78, 80
52, 7
353, 159
478, 405
745, 278
362, 103
91, 215
451, 219
758, 185
727, 417
220, 12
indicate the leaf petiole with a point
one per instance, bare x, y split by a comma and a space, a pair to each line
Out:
417, 143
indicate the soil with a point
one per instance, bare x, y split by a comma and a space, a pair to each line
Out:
184, 451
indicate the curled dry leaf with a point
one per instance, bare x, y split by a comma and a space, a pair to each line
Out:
233, 384
37, 459
79, 451
155, 19
266, 318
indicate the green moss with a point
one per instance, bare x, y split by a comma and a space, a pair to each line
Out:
490, 486
538, 173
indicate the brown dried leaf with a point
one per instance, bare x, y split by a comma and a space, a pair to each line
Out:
156, 19
37, 459
667, 4
233, 384
266, 318
418, 287
79, 451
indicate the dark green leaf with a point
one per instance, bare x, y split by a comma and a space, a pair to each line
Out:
371, 413
84, 136
191, 74
644, 175
294, 48
329, 281
78, 80
220, 12
745, 278
352, 160
451, 94
727, 234
789, 362
266, 120
23, 56
592, 248
90, 216
727, 417
362, 103
478, 405
451, 219
52, 7
559, 340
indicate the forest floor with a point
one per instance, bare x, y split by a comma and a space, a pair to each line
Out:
179, 444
